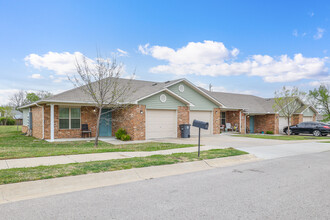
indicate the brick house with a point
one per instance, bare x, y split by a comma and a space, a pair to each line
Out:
156, 110
253, 114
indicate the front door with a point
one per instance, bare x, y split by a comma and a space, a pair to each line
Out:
251, 124
105, 123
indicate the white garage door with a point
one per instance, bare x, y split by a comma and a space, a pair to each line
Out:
161, 124
283, 122
201, 116
307, 118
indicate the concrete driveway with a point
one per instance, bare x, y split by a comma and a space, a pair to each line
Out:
262, 148
227, 140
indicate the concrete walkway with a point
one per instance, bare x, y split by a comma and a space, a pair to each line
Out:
66, 159
40, 188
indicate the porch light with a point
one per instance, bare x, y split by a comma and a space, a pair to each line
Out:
141, 112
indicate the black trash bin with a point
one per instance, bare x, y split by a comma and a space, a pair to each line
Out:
185, 130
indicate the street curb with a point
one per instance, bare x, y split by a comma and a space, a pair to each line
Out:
40, 188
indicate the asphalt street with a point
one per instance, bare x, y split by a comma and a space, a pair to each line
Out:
295, 187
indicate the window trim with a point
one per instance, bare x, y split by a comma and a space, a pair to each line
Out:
70, 128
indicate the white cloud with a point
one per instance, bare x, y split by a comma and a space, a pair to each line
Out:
319, 33
61, 63
211, 58
295, 33
36, 76
122, 53
5, 94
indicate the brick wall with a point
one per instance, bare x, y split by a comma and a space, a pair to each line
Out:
131, 120
216, 121
183, 117
264, 123
243, 128
296, 119
24, 129
88, 116
232, 117
37, 122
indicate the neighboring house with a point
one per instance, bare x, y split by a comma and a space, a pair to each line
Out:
157, 109
17, 115
255, 114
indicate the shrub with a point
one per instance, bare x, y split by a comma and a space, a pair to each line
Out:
10, 121
269, 132
120, 132
125, 137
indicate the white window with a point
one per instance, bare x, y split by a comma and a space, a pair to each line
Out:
163, 98
69, 118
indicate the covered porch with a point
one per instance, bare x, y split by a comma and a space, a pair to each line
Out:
244, 123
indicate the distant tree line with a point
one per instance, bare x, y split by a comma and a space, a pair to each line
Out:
17, 100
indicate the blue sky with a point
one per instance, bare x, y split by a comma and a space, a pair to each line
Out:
245, 46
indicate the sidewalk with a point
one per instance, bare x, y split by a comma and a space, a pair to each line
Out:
79, 158
40, 188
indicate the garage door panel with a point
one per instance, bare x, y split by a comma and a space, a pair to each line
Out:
307, 118
283, 122
201, 116
161, 124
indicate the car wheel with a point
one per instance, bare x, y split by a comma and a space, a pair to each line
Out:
317, 133
288, 131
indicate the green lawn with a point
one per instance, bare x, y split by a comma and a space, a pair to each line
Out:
282, 137
15, 145
46, 172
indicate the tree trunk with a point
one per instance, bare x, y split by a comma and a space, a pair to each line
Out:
288, 126
96, 143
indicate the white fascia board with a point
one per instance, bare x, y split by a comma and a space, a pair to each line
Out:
179, 97
198, 90
167, 91
136, 102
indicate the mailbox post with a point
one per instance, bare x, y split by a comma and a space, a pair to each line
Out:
199, 125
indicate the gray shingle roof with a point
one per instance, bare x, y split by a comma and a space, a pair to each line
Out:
251, 103
141, 89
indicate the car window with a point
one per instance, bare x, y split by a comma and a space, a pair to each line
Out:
301, 125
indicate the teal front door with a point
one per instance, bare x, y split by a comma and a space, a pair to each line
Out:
251, 124
105, 123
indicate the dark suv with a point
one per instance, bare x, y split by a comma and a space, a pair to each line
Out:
315, 128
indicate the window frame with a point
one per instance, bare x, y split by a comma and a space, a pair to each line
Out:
70, 127
223, 118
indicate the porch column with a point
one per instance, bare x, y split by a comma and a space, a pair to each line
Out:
52, 122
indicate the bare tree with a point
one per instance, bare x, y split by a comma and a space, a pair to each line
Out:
18, 99
102, 83
22, 97
286, 103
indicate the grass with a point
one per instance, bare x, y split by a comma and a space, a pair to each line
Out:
46, 172
15, 145
282, 137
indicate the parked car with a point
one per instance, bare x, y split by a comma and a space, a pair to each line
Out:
315, 128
